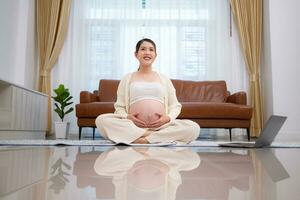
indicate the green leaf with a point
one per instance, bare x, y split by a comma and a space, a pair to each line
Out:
60, 113
69, 103
70, 110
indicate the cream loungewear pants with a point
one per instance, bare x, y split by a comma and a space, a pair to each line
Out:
122, 130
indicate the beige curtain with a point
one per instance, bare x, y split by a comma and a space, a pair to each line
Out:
52, 25
248, 18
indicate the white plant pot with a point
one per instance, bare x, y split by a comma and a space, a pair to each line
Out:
61, 130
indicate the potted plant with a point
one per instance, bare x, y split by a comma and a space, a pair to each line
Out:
62, 101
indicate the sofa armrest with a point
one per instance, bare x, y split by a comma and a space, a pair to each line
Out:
238, 98
88, 97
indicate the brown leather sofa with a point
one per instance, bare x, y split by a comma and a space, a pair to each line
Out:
208, 103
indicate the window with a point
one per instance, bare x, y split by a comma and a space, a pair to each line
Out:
180, 29
193, 51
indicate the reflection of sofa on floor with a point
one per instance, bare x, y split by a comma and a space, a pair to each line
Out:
217, 174
206, 102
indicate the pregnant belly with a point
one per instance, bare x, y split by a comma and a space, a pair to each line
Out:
148, 110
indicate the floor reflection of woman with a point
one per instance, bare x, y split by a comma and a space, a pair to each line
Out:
140, 173
147, 107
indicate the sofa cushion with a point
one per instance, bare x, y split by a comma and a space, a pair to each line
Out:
190, 110
199, 110
200, 91
94, 109
108, 90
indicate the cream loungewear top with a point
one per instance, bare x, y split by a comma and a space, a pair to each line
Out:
172, 106
119, 129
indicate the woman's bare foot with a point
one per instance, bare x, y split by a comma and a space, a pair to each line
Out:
141, 140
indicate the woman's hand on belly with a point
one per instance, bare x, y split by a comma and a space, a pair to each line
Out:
147, 113
134, 117
162, 119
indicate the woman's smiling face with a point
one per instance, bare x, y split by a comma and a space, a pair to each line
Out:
146, 54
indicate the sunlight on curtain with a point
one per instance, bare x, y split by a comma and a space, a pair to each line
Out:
192, 37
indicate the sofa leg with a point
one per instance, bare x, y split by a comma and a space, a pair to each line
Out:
80, 129
248, 133
230, 134
93, 133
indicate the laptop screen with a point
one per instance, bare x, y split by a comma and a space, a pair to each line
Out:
270, 130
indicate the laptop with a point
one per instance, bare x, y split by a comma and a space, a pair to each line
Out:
266, 137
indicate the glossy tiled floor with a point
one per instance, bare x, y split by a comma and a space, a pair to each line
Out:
148, 173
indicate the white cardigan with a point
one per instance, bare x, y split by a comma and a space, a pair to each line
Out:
172, 106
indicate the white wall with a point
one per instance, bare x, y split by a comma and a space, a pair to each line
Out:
281, 69
18, 55
266, 71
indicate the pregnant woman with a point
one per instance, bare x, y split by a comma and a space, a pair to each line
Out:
146, 107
